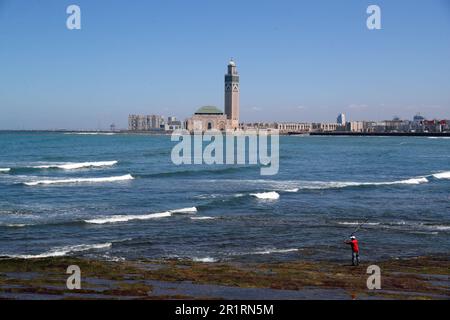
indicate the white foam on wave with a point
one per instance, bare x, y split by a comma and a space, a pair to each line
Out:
442, 175
207, 196
270, 251
418, 180
358, 223
337, 185
5, 170
207, 259
438, 137
62, 251
126, 218
203, 218
297, 185
418, 227
412, 226
80, 180
264, 251
437, 227
77, 165
185, 210
272, 195
14, 225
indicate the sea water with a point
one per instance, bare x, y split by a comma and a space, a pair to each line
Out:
119, 196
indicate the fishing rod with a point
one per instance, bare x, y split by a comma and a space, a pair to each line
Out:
359, 227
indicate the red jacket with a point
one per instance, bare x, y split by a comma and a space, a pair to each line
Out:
354, 244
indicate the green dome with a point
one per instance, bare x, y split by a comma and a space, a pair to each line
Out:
209, 110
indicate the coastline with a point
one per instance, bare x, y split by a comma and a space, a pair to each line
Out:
411, 278
383, 134
168, 133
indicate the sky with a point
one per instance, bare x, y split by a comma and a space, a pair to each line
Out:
299, 60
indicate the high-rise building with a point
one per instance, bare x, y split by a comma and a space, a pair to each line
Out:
232, 95
171, 119
211, 117
341, 119
145, 122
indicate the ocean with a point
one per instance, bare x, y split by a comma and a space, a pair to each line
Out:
119, 196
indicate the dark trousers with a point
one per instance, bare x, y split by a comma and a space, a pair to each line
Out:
355, 258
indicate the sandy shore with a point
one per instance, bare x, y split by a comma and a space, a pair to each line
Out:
415, 278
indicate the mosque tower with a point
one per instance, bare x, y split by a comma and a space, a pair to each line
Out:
232, 95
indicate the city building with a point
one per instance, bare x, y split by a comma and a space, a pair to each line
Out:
397, 125
211, 117
173, 124
341, 119
355, 126
417, 123
171, 119
436, 126
325, 127
145, 122
293, 127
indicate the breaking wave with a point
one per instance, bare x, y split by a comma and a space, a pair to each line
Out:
264, 251
442, 175
415, 227
75, 165
126, 218
272, 195
80, 180
322, 185
185, 210
2, 170
62, 251
14, 225
357, 223
418, 180
207, 259
293, 186
270, 251
437, 227
203, 218
329, 185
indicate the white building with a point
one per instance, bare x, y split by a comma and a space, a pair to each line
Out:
145, 122
293, 127
355, 126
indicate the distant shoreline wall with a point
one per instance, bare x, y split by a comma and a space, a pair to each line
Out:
155, 132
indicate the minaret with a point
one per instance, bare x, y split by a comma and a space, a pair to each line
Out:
232, 95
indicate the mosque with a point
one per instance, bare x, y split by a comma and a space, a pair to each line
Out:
211, 117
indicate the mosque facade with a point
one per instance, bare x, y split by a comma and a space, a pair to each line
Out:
211, 117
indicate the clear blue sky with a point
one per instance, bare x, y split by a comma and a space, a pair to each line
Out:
298, 60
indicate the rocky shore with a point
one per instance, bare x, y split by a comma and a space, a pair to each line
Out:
413, 278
